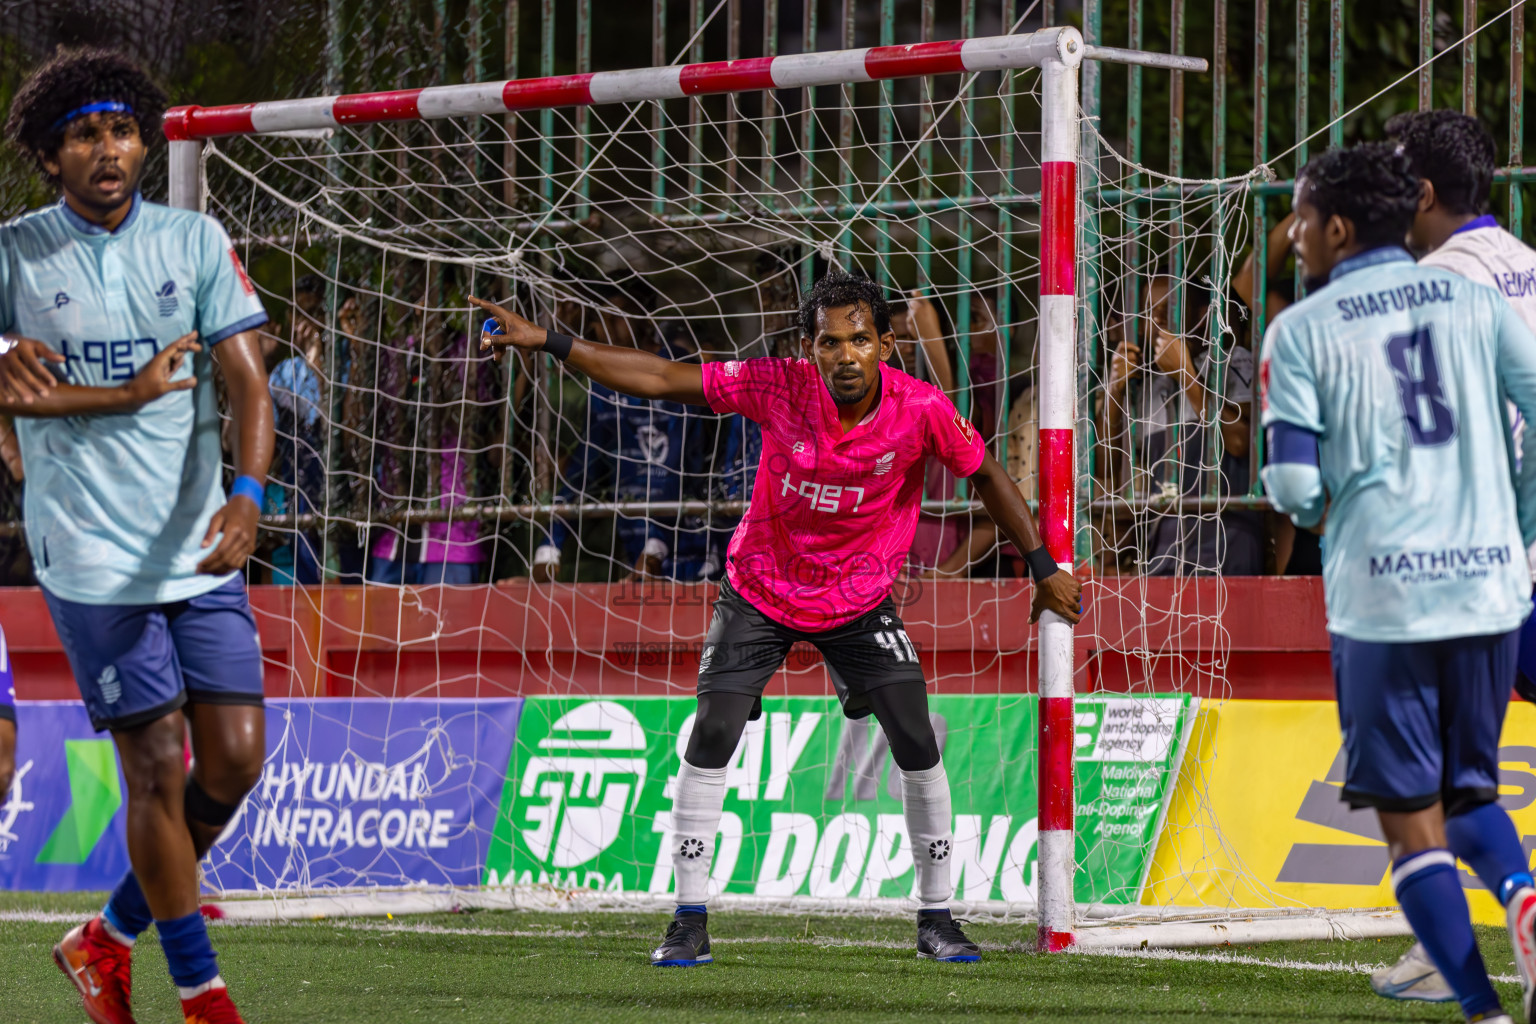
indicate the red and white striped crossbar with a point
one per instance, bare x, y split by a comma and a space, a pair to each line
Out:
876, 63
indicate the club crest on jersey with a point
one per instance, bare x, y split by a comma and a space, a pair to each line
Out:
966, 430
167, 298
883, 463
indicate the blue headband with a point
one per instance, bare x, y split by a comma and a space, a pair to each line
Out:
102, 107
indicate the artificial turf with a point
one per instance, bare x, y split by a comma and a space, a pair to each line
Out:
534, 967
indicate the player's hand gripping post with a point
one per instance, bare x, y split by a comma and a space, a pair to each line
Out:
1059, 591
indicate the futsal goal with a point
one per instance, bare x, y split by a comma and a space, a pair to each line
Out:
684, 208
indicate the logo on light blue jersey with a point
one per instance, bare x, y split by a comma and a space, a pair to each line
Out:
167, 297
60, 300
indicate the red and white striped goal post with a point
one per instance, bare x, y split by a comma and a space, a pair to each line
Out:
1057, 52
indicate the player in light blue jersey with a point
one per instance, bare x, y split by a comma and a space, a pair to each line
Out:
136, 545
1384, 397
1454, 157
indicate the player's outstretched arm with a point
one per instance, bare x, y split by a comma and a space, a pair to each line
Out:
1059, 591
250, 407
625, 370
51, 397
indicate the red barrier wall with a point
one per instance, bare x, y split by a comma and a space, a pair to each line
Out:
522, 640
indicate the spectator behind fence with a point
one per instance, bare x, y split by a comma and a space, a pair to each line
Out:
952, 544
632, 450
443, 389
1157, 432
463, 385
922, 352
1022, 464
1297, 552
296, 481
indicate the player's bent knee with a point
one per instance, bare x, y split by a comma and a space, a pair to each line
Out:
914, 751
205, 809
712, 743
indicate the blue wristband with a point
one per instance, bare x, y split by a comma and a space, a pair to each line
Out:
249, 487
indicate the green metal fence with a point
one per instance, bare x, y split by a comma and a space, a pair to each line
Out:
1318, 73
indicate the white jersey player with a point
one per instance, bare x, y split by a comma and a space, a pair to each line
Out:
1454, 157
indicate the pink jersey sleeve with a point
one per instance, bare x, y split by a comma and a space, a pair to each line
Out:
751, 387
951, 438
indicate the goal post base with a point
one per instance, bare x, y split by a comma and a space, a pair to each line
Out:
1099, 926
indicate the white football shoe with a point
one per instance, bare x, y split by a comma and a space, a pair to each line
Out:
1414, 976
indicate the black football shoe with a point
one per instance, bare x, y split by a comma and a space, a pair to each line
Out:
686, 943
939, 938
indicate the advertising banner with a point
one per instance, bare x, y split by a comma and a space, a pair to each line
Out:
62, 828
370, 792
353, 793
1256, 820
813, 804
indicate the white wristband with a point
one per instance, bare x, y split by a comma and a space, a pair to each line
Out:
655, 547
547, 554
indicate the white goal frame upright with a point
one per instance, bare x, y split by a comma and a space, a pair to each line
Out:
1057, 52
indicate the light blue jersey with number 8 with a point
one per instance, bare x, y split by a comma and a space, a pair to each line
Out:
117, 506
1402, 372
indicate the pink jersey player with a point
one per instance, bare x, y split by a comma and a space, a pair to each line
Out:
833, 510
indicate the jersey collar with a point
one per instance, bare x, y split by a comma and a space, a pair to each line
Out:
1487, 220
85, 227
1370, 258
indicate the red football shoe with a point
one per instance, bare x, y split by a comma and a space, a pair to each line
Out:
100, 967
212, 1006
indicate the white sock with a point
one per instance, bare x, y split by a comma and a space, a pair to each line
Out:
930, 824
695, 821
197, 990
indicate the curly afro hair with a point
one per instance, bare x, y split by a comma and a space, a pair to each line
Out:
838, 288
1371, 185
71, 79
1453, 151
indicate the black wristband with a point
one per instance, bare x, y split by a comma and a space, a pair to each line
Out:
557, 345
1041, 564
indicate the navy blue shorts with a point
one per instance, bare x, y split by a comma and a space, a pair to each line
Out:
137, 663
1422, 721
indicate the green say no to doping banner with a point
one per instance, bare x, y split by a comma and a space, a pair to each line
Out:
813, 800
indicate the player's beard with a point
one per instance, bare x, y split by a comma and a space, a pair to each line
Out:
853, 399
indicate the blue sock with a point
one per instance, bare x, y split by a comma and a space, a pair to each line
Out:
1430, 893
188, 952
127, 910
691, 908
1485, 839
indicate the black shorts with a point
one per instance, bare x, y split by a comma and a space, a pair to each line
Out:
745, 648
